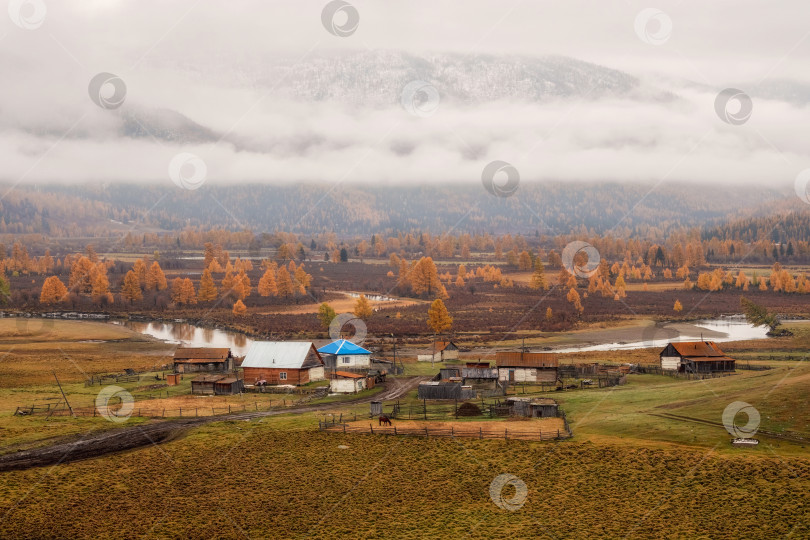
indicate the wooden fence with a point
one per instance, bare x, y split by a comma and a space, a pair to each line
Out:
452, 432
656, 370
157, 412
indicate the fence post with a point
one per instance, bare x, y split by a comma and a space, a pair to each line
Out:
426, 432
395, 429
344, 428
506, 434
480, 433
371, 428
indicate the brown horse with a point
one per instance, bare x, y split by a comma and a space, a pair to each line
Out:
385, 420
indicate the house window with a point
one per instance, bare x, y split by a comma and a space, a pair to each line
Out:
282, 376
345, 359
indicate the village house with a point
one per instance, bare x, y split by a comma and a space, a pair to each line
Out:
480, 376
441, 351
695, 357
343, 354
202, 359
345, 382
526, 367
282, 362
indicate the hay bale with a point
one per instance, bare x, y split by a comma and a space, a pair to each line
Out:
469, 409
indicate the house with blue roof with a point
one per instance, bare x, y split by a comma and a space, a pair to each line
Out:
343, 354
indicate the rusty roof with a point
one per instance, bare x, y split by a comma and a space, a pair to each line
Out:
442, 345
526, 359
207, 378
226, 380
193, 354
349, 375
697, 348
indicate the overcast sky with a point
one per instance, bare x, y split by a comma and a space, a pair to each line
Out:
224, 69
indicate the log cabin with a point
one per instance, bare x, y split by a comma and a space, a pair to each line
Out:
282, 362
695, 357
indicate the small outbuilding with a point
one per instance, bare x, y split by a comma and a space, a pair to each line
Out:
345, 382
220, 385
441, 351
445, 390
526, 367
283, 362
532, 408
203, 359
343, 354
695, 357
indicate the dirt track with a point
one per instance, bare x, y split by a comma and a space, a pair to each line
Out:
128, 438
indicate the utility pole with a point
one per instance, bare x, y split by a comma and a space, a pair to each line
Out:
63, 395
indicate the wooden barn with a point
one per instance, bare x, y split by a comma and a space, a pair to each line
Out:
480, 376
445, 390
343, 354
532, 407
345, 382
440, 351
526, 367
202, 359
220, 385
282, 362
695, 357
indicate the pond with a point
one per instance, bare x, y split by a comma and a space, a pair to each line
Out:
734, 328
190, 335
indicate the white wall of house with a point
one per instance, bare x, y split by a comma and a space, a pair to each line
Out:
316, 374
670, 363
521, 374
449, 355
346, 385
352, 361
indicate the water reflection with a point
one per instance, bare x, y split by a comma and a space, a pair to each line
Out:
192, 336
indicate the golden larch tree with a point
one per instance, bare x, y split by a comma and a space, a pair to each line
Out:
53, 291
267, 283
439, 319
239, 308
131, 288
362, 308
208, 289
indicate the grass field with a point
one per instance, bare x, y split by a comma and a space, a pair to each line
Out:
646, 457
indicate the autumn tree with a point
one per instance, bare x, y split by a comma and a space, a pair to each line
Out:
239, 308
187, 293
284, 282
538, 280
439, 319
155, 278
53, 291
81, 280
139, 267
326, 314
267, 283
678, 307
549, 313
208, 289
573, 297
424, 278
131, 288
5, 290
362, 308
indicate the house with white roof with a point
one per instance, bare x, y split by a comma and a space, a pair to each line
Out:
282, 362
343, 354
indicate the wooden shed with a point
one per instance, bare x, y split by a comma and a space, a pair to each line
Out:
202, 359
527, 367
695, 357
445, 390
345, 382
532, 408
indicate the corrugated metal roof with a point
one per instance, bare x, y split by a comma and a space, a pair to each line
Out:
343, 346
278, 354
697, 348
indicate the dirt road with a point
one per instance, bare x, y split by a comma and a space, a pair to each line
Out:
129, 438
